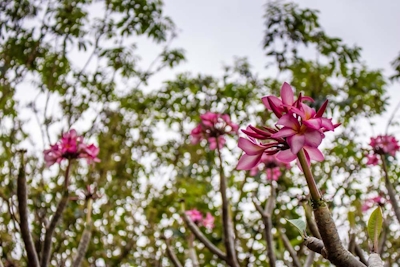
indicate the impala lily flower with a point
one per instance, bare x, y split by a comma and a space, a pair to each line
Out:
370, 202
372, 160
213, 127
70, 146
384, 144
195, 215
299, 127
272, 167
208, 221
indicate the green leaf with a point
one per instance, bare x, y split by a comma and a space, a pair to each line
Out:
375, 225
300, 225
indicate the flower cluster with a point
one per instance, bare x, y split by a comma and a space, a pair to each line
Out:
70, 146
370, 202
299, 127
196, 217
212, 127
271, 165
382, 145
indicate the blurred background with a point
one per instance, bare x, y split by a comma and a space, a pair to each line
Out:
134, 77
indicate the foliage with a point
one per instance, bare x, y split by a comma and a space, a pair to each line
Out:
80, 61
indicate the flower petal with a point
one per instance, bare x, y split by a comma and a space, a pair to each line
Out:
296, 142
313, 138
247, 162
287, 94
285, 156
249, 147
284, 132
314, 153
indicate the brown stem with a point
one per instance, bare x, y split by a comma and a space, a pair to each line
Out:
360, 253
312, 186
171, 254
226, 220
86, 236
46, 251
192, 251
310, 259
310, 221
266, 218
83, 246
22, 196
315, 244
203, 239
391, 190
336, 253
290, 249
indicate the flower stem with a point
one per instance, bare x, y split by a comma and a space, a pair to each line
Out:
315, 194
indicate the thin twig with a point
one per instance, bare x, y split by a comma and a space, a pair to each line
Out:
290, 249
226, 220
171, 254
310, 259
266, 218
46, 251
391, 190
202, 238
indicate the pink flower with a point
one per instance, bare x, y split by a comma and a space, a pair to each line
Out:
272, 167
299, 127
370, 202
195, 215
273, 174
372, 159
70, 146
384, 144
208, 221
212, 127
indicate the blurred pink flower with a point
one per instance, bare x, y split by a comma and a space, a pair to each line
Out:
208, 221
70, 146
384, 144
212, 127
372, 159
272, 167
299, 127
370, 202
195, 215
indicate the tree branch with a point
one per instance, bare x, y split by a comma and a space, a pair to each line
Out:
85, 239
310, 259
203, 239
290, 249
310, 221
171, 254
23, 215
391, 190
46, 251
226, 220
266, 218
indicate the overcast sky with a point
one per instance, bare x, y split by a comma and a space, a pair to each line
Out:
214, 32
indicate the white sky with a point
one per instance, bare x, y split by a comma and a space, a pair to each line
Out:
214, 32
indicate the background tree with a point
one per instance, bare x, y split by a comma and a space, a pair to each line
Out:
148, 162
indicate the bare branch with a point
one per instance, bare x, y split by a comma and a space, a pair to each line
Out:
171, 254
226, 220
202, 238
23, 215
290, 249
